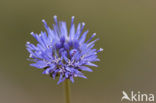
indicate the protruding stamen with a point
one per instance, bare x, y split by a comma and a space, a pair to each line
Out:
73, 17
71, 27
83, 24
45, 23
72, 20
43, 20
56, 27
55, 19
32, 33
101, 49
94, 34
28, 43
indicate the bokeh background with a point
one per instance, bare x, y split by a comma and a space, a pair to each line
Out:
127, 32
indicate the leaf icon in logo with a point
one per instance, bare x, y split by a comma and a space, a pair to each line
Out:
125, 96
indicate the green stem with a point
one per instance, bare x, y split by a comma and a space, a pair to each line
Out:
67, 90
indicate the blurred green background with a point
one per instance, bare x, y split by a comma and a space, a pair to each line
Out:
127, 32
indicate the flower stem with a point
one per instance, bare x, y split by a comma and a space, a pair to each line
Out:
67, 90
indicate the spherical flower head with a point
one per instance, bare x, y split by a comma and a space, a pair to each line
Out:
63, 54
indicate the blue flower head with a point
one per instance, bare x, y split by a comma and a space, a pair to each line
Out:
62, 53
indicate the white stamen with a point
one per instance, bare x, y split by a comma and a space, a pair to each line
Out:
28, 42
32, 33
83, 23
94, 34
101, 49
55, 17
43, 20
73, 17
